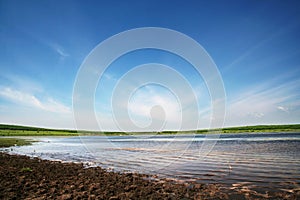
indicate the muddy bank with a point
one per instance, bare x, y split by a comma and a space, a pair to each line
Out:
22, 177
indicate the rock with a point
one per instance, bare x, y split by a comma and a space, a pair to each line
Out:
198, 186
66, 197
114, 198
56, 180
130, 187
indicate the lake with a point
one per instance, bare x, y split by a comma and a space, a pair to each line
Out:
258, 162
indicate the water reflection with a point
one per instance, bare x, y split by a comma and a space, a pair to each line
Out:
269, 161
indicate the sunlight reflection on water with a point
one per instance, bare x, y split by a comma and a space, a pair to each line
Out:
271, 161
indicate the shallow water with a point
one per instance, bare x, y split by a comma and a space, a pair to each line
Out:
260, 162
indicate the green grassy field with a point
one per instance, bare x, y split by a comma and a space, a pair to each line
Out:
13, 130
264, 128
250, 129
35, 133
7, 142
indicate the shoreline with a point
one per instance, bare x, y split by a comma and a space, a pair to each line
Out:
16, 130
23, 177
9, 134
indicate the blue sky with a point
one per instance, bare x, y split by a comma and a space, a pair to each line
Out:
255, 45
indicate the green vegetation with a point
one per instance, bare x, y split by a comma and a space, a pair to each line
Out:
35, 133
244, 129
263, 128
7, 142
14, 130
26, 169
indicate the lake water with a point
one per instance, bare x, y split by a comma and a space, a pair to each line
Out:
259, 162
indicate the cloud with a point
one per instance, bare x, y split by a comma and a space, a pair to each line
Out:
56, 48
264, 103
260, 44
284, 109
256, 114
27, 99
153, 107
23, 83
109, 76
23, 115
150, 106
59, 50
141, 105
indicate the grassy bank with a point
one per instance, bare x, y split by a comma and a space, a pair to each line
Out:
263, 128
8, 142
36, 133
13, 130
243, 129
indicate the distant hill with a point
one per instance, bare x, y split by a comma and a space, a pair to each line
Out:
30, 128
267, 128
45, 131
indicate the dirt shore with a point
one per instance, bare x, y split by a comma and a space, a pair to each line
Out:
22, 177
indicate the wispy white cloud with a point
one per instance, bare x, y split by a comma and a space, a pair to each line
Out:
273, 102
142, 103
270, 102
149, 105
265, 103
59, 50
260, 44
109, 76
27, 99
256, 114
25, 115
23, 83
282, 108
